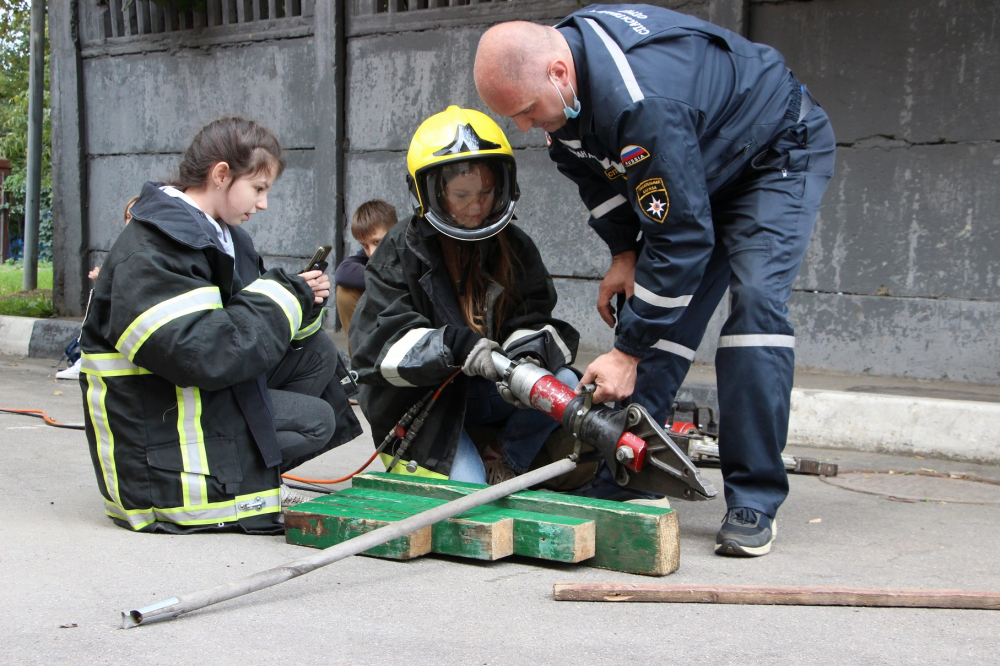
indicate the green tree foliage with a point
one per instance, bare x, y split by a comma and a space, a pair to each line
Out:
15, 23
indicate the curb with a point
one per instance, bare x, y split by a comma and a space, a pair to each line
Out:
36, 338
908, 425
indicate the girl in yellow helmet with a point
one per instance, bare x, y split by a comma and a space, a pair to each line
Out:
443, 291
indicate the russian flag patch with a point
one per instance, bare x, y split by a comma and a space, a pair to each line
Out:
633, 154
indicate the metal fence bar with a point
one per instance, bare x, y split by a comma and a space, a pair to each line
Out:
272, 9
156, 18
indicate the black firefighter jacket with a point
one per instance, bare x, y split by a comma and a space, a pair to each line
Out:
409, 336
175, 347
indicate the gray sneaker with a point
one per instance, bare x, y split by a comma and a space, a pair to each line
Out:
289, 497
745, 532
497, 470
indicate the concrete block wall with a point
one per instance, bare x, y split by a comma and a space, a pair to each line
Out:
398, 78
901, 277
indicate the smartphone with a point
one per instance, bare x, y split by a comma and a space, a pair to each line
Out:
322, 252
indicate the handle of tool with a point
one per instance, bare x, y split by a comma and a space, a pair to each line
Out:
171, 608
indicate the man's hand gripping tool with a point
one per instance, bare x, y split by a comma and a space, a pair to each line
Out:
638, 450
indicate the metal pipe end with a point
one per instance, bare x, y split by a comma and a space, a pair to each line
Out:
132, 618
153, 613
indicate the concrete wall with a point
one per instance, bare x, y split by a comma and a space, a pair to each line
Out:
898, 279
901, 276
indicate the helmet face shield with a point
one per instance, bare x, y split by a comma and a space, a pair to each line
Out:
470, 199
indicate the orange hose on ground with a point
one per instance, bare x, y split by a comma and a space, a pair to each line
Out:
40, 414
340, 480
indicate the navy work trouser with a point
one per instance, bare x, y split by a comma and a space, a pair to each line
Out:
763, 221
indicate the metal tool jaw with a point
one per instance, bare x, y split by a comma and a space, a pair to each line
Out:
646, 459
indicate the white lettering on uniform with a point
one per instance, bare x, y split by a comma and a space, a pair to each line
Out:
636, 26
575, 148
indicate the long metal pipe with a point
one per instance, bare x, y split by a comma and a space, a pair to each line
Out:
171, 608
33, 184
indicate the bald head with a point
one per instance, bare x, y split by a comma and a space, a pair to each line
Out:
514, 59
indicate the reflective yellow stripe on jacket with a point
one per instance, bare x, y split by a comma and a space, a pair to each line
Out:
197, 300
306, 331
243, 506
285, 299
192, 441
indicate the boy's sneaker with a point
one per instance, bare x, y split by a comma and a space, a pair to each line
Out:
289, 497
497, 469
72, 372
745, 532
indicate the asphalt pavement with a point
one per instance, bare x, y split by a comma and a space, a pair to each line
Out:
66, 572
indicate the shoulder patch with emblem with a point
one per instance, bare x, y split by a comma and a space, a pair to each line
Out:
653, 199
633, 154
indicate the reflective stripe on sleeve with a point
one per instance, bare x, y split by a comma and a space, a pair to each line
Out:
646, 296
757, 340
304, 333
525, 332
110, 365
197, 300
192, 443
620, 60
243, 506
285, 299
397, 352
608, 206
674, 348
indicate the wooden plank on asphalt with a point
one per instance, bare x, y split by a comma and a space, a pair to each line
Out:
783, 596
629, 537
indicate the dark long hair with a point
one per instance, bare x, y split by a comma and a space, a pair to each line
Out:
247, 147
474, 283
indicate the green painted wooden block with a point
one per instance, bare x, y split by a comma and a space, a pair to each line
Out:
321, 526
629, 537
477, 534
539, 535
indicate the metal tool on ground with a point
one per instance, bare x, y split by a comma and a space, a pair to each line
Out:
777, 596
701, 443
174, 606
639, 451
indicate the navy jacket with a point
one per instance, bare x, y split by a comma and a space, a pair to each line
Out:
351, 271
672, 109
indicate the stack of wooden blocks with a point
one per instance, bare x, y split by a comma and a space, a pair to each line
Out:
545, 525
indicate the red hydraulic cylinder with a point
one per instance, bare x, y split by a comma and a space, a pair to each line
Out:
551, 396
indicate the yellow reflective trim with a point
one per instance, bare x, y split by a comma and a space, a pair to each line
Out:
150, 321
220, 512
402, 471
278, 294
102, 433
311, 328
110, 365
188, 429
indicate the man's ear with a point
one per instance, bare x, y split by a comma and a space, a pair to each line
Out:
559, 71
220, 175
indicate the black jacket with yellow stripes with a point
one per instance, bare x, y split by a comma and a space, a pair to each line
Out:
408, 335
172, 329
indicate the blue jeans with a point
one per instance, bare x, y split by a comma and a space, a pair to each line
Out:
522, 431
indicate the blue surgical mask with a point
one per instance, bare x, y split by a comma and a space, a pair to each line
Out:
569, 112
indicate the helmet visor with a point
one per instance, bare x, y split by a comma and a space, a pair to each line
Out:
467, 198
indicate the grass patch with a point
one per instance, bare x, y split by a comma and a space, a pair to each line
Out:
37, 303
12, 277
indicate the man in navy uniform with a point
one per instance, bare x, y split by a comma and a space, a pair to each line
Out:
702, 160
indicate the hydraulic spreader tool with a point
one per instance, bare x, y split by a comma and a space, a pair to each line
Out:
638, 450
